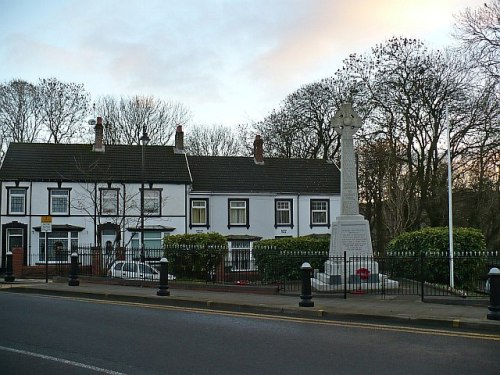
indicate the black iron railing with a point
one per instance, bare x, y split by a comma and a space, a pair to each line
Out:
409, 274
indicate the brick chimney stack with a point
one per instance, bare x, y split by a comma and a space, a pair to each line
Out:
99, 136
258, 150
179, 140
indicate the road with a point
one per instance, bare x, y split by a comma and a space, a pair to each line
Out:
53, 335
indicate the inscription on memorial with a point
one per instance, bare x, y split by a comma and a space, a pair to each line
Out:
353, 239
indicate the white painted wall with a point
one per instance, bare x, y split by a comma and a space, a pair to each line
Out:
262, 215
173, 212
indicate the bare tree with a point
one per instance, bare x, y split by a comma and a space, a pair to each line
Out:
19, 112
125, 118
217, 140
478, 31
301, 126
63, 107
409, 88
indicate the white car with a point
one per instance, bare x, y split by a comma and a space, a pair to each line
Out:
135, 271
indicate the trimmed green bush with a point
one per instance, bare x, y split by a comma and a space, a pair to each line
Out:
280, 259
433, 244
194, 256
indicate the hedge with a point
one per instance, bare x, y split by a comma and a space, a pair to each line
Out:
433, 245
194, 256
281, 259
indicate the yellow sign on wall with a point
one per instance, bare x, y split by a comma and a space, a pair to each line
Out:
46, 219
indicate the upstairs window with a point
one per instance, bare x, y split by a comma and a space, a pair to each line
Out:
152, 202
283, 212
238, 213
17, 201
59, 201
199, 212
109, 202
320, 212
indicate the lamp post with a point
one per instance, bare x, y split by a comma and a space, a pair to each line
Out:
144, 142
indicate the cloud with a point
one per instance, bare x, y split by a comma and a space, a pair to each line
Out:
328, 31
244, 55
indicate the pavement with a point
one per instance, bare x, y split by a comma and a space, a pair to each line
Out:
391, 309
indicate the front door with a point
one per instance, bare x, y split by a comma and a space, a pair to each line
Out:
15, 238
14, 235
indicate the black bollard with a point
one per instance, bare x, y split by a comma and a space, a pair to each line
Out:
494, 306
73, 277
9, 274
163, 287
306, 295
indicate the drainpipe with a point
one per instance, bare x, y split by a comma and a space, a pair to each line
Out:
186, 208
298, 214
95, 213
123, 216
28, 236
2, 263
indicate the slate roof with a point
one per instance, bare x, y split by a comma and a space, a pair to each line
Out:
121, 163
242, 175
78, 163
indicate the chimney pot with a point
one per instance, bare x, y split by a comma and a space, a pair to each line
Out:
99, 135
258, 150
179, 140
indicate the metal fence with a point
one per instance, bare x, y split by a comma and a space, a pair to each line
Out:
402, 274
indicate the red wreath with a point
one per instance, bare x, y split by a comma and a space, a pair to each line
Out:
363, 273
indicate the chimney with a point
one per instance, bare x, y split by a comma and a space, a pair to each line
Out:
258, 150
179, 140
99, 136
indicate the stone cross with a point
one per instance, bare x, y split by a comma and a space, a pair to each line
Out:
346, 122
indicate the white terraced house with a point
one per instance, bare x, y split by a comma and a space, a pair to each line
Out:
92, 194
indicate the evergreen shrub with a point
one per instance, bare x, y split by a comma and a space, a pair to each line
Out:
194, 256
281, 259
432, 246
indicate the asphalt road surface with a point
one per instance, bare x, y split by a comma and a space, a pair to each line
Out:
51, 335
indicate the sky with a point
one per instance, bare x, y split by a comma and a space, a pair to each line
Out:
228, 62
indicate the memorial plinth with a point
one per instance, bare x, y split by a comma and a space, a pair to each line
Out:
351, 255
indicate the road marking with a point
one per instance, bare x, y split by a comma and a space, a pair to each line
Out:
336, 323
61, 360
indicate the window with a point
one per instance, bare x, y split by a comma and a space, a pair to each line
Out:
152, 201
240, 256
238, 213
17, 201
109, 202
153, 241
59, 201
283, 212
60, 245
199, 212
320, 212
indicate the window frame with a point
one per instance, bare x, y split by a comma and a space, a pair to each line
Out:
135, 239
246, 214
277, 210
326, 211
10, 195
57, 213
191, 216
147, 213
240, 255
116, 200
70, 243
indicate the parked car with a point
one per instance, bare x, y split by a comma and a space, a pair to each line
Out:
135, 271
